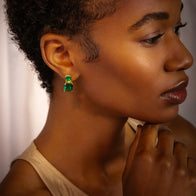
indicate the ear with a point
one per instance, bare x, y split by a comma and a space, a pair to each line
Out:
57, 53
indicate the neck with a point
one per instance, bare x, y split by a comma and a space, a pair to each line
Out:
80, 137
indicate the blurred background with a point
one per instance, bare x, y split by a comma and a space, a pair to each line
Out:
24, 104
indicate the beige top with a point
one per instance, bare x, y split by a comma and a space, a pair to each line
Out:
55, 181
134, 123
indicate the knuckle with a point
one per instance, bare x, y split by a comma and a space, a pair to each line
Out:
145, 156
181, 171
181, 145
192, 180
165, 128
163, 131
166, 162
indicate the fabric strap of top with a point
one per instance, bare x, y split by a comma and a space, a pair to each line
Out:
134, 123
55, 181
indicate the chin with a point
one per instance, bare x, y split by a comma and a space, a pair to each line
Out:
160, 116
166, 116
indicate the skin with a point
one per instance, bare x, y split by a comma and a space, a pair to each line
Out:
86, 120
150, 164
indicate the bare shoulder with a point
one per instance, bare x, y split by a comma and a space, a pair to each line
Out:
185, 132
22, 180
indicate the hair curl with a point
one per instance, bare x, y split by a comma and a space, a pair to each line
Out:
29, 19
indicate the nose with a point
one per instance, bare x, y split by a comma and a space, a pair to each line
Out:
179, 58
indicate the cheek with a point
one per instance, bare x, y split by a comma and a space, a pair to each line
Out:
128, 83
138, 69
122, 82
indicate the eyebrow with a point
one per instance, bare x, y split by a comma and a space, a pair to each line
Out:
148, 18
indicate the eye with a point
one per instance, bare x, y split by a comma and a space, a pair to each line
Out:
152, 40
178, 27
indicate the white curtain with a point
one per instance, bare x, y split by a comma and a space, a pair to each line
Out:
24, 105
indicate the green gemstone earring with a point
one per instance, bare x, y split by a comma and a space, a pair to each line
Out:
68, 86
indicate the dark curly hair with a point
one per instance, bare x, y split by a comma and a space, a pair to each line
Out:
29, 19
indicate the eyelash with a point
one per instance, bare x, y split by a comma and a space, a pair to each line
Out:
153, 40
177, 28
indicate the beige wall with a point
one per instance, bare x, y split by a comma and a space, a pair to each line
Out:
188, 109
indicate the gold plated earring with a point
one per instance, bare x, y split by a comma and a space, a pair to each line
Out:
68, 86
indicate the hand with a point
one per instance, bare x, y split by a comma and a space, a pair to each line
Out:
158, 169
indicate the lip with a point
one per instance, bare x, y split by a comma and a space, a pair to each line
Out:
176, 94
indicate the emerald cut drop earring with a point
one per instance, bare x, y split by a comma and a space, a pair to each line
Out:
68, 86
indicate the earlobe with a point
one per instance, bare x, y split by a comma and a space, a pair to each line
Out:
56, 54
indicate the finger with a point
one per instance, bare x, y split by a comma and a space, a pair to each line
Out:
193, 182
180, 153
191, 164
165, 141
148, 138
132, 151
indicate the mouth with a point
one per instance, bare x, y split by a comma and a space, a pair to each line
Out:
177, 94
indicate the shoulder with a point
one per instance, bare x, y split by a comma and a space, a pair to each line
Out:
184, 132
22, 180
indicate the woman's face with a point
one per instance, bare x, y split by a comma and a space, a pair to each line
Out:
140, 69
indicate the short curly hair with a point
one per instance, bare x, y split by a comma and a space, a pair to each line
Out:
29, 19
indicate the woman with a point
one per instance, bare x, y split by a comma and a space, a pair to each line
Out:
102, 62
